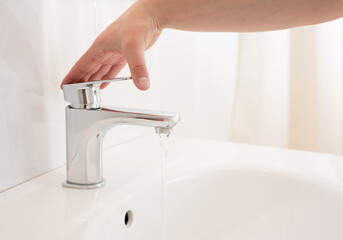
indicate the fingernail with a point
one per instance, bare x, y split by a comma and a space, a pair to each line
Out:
143, 83
143, 79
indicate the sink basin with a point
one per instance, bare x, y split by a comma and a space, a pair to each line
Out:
214, 191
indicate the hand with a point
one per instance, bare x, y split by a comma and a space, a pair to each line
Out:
124, 41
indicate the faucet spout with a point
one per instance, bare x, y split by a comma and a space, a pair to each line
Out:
85, 133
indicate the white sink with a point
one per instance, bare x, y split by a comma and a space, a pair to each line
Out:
215, 191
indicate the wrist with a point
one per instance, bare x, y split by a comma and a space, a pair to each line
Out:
156, 11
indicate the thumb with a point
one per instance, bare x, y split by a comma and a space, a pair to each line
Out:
139, 72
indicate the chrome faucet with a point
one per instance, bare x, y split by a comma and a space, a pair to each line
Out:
86, 125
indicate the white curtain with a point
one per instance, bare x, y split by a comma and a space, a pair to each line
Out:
289, 89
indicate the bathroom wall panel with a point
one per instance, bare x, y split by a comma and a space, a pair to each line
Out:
39, 42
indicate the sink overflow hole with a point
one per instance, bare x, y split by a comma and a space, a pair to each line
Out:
128, 219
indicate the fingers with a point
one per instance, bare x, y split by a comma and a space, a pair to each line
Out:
83, 69
100, 73
112, 73
135, 58
97, 66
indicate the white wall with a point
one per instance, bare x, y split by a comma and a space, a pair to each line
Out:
40, 40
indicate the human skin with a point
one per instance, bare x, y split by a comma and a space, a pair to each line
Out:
136, 30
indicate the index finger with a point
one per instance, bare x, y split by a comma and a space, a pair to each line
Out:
86, 65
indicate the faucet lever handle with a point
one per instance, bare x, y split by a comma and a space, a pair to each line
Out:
86, 95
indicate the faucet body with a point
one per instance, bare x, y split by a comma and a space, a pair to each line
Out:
86, 129
87, 124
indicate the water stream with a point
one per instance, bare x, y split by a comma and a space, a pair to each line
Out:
164, 155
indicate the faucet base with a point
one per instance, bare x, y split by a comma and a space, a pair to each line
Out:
84, 186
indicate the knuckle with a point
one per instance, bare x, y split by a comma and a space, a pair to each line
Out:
81, 71
139, 69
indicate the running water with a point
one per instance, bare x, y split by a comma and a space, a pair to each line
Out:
164, 156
